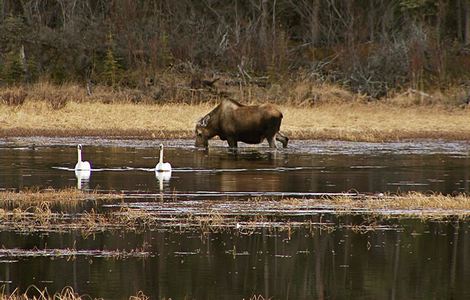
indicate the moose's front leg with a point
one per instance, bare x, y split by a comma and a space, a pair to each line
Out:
232, 143
272, 143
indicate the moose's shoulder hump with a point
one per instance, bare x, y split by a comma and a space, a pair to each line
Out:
272, 109
230, 103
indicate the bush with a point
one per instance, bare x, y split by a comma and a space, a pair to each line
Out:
13, 71
13, 98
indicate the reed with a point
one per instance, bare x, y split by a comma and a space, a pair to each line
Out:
244, 216
31, 210
67, 293
257, 297
412, 204
42, 197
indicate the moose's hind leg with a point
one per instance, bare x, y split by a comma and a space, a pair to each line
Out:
283, 139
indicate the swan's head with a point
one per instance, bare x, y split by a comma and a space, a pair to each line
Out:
79, 147
161, 146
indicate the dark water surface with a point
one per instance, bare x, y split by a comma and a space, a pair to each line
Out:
305, 167
412, 261
401, 259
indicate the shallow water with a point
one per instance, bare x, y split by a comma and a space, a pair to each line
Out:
305, 168
335, 257
408, 260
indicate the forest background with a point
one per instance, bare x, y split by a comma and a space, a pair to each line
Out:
290, 52
370, 46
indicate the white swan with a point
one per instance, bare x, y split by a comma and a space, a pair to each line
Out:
81, 165
161, 166
82, 169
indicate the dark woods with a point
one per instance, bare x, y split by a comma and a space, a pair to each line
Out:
370, 46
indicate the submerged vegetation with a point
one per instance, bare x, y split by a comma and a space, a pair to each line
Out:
207, 216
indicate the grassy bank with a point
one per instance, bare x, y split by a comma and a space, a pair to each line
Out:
335, 114
355, 122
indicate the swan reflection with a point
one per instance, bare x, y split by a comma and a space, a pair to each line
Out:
83, 178
162, 176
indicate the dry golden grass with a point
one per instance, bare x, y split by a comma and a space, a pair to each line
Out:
354, 122
68, 196
418, 201
336, 114
210, 216
375, 122
411, 204
35, 293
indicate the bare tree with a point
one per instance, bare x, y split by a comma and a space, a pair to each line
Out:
466, 5
309, 11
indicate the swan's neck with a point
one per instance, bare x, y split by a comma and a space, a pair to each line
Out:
161, 156
79, 154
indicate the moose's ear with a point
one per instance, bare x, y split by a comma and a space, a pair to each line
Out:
204, 121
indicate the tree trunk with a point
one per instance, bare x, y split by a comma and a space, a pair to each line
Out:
263, 31
2, 10
24, 65
440, 19
350, 24
371, 19
315, 23
466, 38
264, 23
459, 20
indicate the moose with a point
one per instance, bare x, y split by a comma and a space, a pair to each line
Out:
234, 122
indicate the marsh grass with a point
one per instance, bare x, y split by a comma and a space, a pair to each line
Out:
67, 293
353, 122
244, 216
257, 297
13, 97
46, 197
332, 114
411, 204
35, 293
72, 253
53, 210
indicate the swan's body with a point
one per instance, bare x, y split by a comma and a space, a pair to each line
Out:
82, 166
82, 169
161, 166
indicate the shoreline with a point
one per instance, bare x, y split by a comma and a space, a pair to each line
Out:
377, 137
364, 122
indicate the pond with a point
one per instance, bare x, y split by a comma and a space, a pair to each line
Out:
328, 257
304, 168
